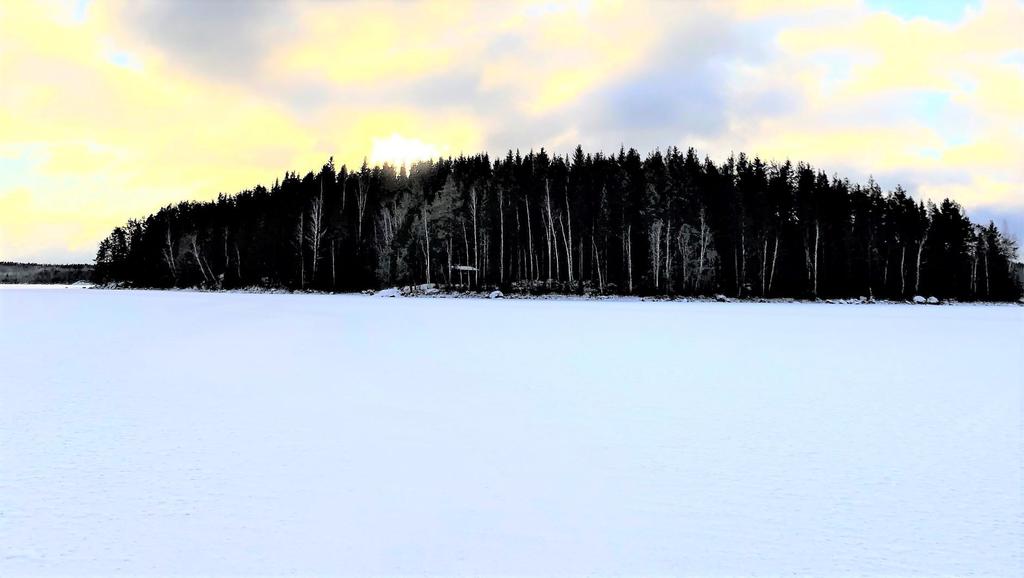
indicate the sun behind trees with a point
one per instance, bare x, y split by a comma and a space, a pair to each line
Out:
620, 224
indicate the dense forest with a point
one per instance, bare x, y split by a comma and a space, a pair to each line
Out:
671, 223
43, 274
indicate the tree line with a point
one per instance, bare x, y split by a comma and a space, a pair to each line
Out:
43, 273
669, 223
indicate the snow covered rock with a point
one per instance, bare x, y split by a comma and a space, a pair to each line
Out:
933, 301
424, 287
496, 295
721, 298
920, 300
392, 292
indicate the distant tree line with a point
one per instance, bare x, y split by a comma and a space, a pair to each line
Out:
671, 223
43, 273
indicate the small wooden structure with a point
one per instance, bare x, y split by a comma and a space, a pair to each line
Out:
464, 271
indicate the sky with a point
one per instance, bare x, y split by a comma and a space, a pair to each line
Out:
112, 109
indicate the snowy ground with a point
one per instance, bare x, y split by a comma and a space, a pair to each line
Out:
181, 434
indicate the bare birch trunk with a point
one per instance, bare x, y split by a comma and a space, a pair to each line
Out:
920, 251
654, 235
170, 257
568, 248
764, 265
629, 255
529, 237
501, 222
668, 257
317, 229
703, 250
743, 259
476, 236
448, 275
549, 230
684, 248
465, 241
360, 207
426, 239
568, 242
988, 291
197, 255
816, 236
227, 259
903, 269
974, 271
299, 236
579, 277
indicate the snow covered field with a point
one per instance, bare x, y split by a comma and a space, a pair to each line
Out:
202, 434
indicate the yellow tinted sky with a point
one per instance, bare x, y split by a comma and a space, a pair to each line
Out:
109, 110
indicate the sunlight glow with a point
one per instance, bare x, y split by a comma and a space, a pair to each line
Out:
399, 150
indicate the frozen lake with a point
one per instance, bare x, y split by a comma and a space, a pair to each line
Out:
188, 434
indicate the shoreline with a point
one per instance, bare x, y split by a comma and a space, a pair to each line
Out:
408, 293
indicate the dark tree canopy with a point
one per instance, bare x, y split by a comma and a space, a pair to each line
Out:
671, 223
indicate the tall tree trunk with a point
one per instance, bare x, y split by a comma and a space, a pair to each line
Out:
549, 231
529, 237
974, 271
197, 254
476, 236
920, 250
300, 233
170, 257
817, 231
519, 248
988, 291
448, 275
501, 221
703, 250
227, 258
426, 238
903, 269
764, 265
465, 241
317, 229
668, 257
568, 242
654, 236
743, 259
684, 249
579, 276
629, 256
568, 249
